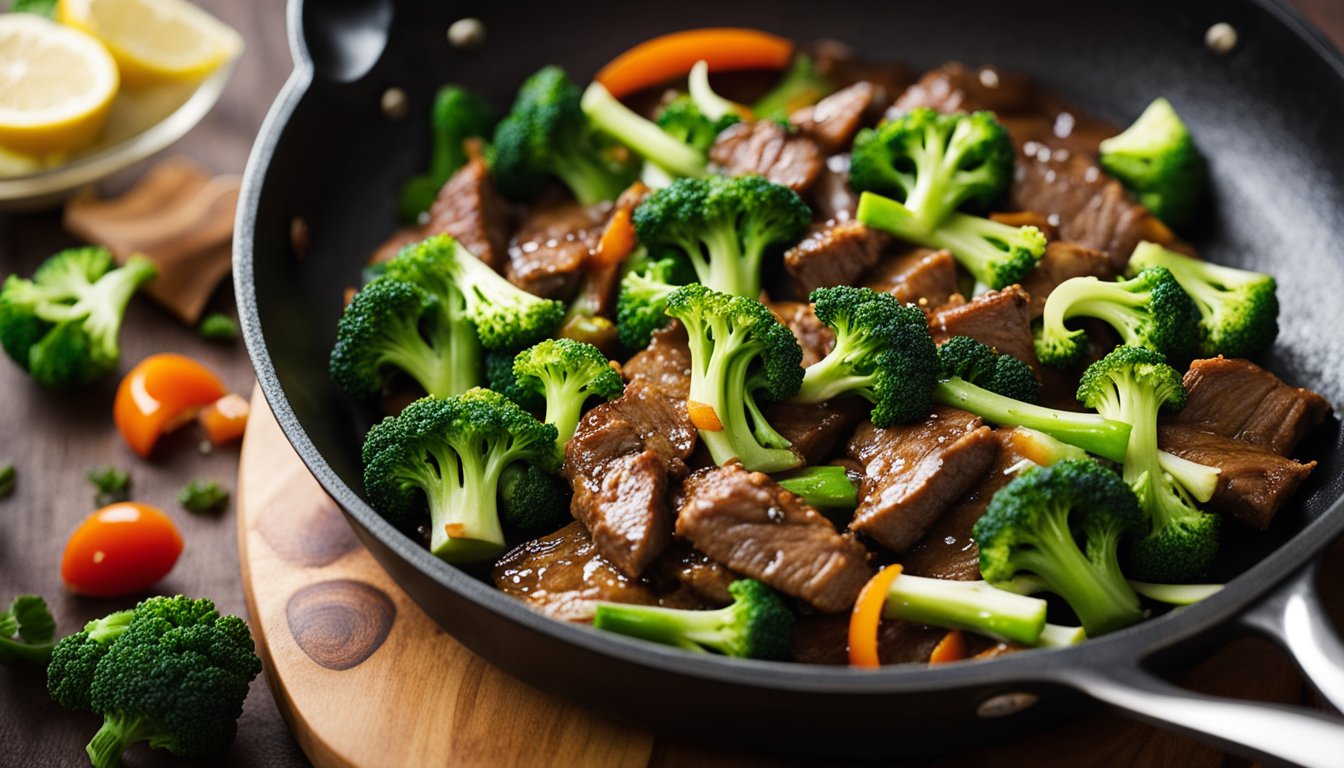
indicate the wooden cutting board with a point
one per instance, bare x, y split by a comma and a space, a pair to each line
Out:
364, 678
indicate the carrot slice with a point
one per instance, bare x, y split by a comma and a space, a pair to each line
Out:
724, 48
703, 416
867, 614
225, 419
951, 648
618, 239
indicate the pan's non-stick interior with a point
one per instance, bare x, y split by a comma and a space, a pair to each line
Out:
1269, 115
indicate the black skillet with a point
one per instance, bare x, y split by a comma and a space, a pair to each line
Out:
319, 195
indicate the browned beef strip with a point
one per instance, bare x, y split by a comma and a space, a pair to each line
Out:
815, 338
915, 472
562, 575
834, 253
548, 253
693, 570
1240, 400
838, 63
665, 362
948, 550
469, 209
832, 199
815, 430
767, 148
1062, 261
619, 463
1086, 205
833, 121
825, 640
998, 319
919, 276
745, 521
1254, 482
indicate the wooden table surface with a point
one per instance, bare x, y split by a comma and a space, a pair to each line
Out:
54, 439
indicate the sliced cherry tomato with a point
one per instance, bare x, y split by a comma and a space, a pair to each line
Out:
121, 549
160, 394
656, 61
225, 419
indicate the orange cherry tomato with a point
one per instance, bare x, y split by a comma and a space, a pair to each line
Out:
656, 61
225, 419
121, 549
160, 394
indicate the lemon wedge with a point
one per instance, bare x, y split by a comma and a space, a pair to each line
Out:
56, 85
155, 41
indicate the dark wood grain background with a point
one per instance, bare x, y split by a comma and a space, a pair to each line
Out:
54, 439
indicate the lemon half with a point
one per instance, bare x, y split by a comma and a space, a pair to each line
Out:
56, 85
155, 40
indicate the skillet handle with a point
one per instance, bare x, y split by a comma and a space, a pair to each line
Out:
1261, 731
1295, 617
340, 40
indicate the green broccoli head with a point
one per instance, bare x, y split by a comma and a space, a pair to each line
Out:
802, 85
391, 325
1148, 310
996, 255
684, 121
448, 454
63, 325
456, 115
1157, 160
642, 299
545, 135
1239, 310
566, 373
75, 659
1132, 385
934, 162
883, 352
724, 226
741, 357
1064, 524
756, 625
176, 677
965, 358
533, 500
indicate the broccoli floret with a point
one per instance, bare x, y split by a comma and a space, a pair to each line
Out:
217, 326
505, 316
110, 484
682, 120
756, 625
1239, 310
533, 500
973, 379
996, 255
29, 618
642, 298
1034, 526
828, 487
175, 675
801, 86
566, 373
934, 163
741, 356
882, 352
62, 326
203, 497
1131, 385
75, 659
450, 453
642, 136
1157, 160
457, 114
970, 605
546, 134
724, 226
1148, 310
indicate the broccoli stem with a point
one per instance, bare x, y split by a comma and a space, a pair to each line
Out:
13, 650
1094, 434
823, 487
464, 517
589, 180
1097, 592
1198, 479
105, 302
688, 630
117, 733
564, 406
710, 104
970, 605
828, 378
1057, 636
465, 357
1175, 594
641, 135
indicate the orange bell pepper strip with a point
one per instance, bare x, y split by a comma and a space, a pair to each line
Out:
656, 61
951, 648
225, 419
867, 615
160, 394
